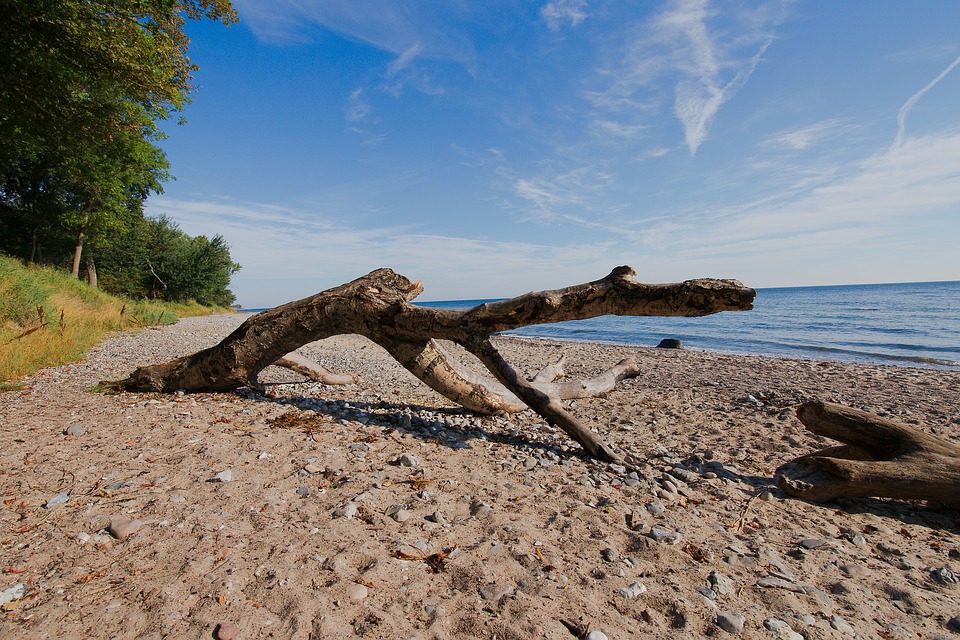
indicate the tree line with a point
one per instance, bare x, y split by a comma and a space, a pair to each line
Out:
84, 87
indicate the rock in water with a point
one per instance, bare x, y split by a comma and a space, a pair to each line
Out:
670, 343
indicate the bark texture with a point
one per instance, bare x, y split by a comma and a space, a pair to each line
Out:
881, 458
378, 306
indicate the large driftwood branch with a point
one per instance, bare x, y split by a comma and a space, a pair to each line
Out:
378, 306
880, 458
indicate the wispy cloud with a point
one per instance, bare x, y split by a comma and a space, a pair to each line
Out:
568, 195
802, 138
883, 195
358, 107
702, 90
287, 254
404, 59
707, 66
558, 13
909, 104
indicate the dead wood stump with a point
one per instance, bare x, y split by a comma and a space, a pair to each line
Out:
881, 458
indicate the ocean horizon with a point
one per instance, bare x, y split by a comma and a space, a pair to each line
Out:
904, 324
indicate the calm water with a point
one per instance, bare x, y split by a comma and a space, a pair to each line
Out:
915, 324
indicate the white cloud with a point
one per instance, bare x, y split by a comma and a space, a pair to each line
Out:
909, 104
685, 46
288, 254
559, 12
883, 196
568, 195
358, 108
404, 59
616, 130
803, 138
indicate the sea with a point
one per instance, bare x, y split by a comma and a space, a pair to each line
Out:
905, 324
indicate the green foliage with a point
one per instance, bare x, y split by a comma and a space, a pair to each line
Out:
83, 86
156, 259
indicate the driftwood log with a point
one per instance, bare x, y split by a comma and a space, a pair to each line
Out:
378, 306
881, 458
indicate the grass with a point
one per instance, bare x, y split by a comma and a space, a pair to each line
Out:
48, 318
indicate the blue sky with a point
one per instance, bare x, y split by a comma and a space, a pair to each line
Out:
493, 148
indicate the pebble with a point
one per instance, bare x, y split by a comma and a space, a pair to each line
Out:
812, 543
57, 500
357, 592
730, 622
303, 492
347, 511
944, 576
655, 508
401, 515
121, 528
707, 593
782, 629
841, 625
408, 460
530, 463
690, 477
610, 555
665, 535
226, 631
853, 570
480, 509
223, 476
779, 583
633, 590
177, 499
721, 583
13, 593
954, 624
495, 591
597, 635
75, 430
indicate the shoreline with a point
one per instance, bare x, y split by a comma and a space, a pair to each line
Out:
880, 360
321, 529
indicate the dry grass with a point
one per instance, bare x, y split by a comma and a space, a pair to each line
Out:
48, 319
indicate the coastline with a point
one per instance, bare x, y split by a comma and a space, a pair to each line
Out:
540, 532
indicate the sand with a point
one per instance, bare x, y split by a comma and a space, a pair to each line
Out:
382, 511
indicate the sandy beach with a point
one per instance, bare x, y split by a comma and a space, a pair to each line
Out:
381, 510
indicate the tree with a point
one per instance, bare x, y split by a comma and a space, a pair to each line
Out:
154, 258
83, 87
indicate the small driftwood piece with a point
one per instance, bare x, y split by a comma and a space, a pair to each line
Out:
378, 306
314, 370
882, 458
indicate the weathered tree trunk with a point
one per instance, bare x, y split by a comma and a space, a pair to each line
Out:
78, 250
91, 272
882, 458
378, 306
